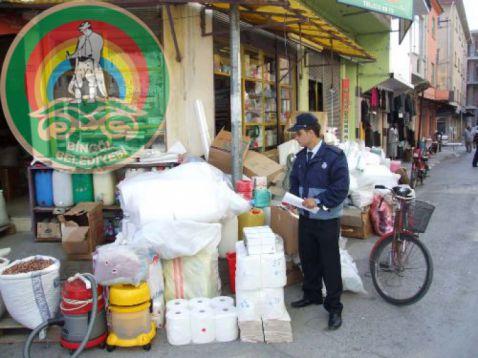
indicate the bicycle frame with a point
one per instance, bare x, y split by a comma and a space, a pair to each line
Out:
400, 216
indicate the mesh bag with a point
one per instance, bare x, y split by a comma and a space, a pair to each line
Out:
419, 214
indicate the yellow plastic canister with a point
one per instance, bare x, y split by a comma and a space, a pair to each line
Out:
254, 217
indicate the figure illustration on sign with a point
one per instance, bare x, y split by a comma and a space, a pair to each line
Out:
87, 65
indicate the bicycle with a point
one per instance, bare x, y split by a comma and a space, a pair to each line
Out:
419, 168
400, 264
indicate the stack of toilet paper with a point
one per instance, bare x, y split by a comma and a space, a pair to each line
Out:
260, 281
259, 240
201, 320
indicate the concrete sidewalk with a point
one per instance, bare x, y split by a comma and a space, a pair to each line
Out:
371, 328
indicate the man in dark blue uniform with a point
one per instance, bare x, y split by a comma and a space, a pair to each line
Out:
320, 175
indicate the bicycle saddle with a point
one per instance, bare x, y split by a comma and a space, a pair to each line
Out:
403, 191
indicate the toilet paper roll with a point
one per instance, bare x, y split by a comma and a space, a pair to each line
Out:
248, 305
177, 304
178, 327
202, 326
222, 301
225, 320
199, 302
272, 301
248, 271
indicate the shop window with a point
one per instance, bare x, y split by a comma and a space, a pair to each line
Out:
267, 94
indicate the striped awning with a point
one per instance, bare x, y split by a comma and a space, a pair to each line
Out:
300, 23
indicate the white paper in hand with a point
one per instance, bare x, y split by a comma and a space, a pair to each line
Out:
297, 202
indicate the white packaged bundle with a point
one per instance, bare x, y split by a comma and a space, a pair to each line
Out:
248, 269
248, 304
273, 270
273, 306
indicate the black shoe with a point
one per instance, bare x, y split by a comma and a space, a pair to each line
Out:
335, 321
304, 302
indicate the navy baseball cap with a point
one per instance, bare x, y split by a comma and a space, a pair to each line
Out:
304, 121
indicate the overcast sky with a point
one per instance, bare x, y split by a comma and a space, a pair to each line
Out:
471, 7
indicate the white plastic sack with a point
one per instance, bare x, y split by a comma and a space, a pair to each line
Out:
191, 191
351, 280
3, 263
363, 197
34, 297
381, 175
192, 276
286, 148
121, 264
171, 239
229, 234
156, 289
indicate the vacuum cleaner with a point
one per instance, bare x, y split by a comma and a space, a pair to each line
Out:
83, 317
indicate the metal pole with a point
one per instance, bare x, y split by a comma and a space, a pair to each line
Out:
236, 110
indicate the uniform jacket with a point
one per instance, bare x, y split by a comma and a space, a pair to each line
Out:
325, 178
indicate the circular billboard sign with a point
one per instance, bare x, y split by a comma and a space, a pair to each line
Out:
85, 86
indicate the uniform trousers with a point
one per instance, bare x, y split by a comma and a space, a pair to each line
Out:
320, 260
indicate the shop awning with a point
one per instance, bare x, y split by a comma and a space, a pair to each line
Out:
395, 85
301, 24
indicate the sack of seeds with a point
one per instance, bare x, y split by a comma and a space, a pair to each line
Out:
30, 289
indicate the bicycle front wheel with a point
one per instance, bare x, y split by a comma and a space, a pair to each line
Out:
402, 269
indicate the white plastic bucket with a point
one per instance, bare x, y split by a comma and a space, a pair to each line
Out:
3, 210
62, 189
104, 185
34, 297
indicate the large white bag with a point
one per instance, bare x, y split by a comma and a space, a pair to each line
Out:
34, 297
192, 276
192, 191
177, 238
351, 280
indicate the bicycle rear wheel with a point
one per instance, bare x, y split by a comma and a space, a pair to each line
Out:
402, 270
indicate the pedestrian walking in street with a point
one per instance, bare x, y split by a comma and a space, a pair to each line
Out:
393, 140
475, 157
468, 137
320, 175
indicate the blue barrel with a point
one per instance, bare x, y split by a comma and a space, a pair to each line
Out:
44, 187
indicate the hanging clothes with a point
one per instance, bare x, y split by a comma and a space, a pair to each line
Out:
374, 98
377, 142
368, 137
365, 113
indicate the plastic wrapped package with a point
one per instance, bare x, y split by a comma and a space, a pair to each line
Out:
381, 215
248, 305
362, 197
121, 264
150, 197
350, 276
192, 276
229, 235
178, 238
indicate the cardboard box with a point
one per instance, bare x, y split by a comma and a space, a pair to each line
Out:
82, 229
257, 164
220, 151
48, 230
356, 223
294, 274
286, 225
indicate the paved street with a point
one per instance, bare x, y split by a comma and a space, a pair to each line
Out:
442, 324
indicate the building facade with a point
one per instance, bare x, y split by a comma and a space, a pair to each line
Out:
453, 40
472, 80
